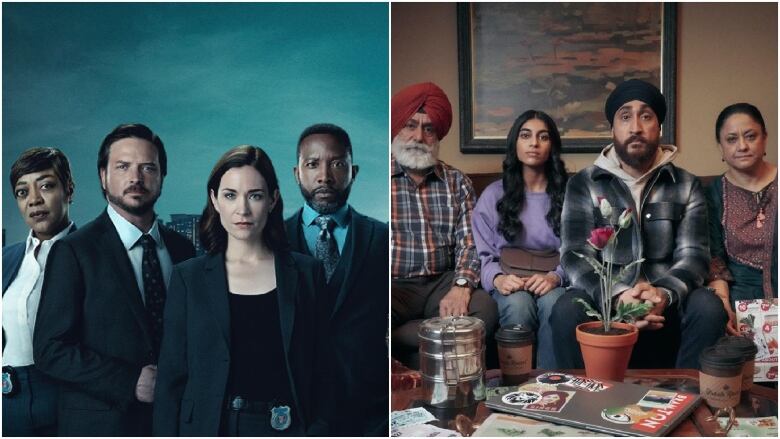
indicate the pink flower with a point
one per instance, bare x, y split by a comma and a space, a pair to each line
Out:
599, 237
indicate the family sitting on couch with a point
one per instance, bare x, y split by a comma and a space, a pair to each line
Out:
703, 248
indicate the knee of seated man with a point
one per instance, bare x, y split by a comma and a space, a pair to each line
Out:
705, 304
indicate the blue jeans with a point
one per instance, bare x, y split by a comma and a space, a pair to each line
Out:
522, 307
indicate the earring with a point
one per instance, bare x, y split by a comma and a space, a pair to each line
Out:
722, 159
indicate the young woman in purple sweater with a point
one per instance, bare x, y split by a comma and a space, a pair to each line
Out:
523, 210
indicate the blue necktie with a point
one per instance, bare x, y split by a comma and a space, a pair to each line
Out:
326, 249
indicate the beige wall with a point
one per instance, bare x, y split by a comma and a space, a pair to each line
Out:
726, 53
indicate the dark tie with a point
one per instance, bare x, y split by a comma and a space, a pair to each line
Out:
326, 249
154, 290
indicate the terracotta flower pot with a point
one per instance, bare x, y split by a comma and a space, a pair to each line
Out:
606, 356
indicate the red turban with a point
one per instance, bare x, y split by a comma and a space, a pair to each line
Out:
428, 96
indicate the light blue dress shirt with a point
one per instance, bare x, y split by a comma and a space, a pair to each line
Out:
311, 231
130, 236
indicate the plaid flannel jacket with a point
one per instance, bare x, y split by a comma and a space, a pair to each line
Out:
431, 224
670, 233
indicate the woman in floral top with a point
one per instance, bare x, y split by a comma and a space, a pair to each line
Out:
743, 212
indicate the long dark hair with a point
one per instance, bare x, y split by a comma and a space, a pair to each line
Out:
213, 236
513, 201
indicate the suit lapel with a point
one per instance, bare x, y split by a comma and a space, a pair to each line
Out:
215, 288
125, 277
295, 233
287, 288
287, 292
356, 249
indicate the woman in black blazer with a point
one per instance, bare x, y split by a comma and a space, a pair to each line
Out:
241, 329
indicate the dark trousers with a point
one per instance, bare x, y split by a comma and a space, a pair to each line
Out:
416, 299
32, 411
687, 331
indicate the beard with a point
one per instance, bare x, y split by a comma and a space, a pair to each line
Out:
637, 158
414, 155
326, 207
140, 209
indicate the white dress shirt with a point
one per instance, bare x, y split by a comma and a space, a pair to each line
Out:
21, 299
130, 236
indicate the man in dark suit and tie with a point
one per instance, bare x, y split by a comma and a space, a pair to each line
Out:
354, 252
99, 322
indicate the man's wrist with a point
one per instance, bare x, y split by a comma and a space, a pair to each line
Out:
669, 295
462, 282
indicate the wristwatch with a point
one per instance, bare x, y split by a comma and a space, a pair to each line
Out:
462, 282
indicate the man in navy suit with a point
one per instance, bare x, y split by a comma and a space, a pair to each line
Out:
42, 185
99, 322
354, 252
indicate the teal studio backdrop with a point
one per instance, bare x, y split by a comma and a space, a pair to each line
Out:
205, 77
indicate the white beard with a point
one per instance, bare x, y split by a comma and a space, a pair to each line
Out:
414, 155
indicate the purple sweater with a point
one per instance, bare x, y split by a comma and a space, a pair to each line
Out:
536, 234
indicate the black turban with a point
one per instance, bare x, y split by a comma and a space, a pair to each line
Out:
635, 89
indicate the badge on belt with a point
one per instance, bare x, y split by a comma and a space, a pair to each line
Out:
10, 382
280, 417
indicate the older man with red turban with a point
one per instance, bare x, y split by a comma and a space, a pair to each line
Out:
435, 266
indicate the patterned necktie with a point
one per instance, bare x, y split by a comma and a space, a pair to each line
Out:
154, 289
326, 249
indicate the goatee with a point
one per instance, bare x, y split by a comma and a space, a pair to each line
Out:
326, 207
639, 158
138, 210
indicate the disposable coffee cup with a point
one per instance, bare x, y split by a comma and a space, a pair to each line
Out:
745, 347
720, 377
515, 353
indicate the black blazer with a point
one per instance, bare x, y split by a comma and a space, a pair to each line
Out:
357, 347
195, 356
92, 332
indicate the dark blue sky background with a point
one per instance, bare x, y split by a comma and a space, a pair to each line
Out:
205, 78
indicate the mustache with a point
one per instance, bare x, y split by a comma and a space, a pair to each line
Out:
136, 188
416, 145
636, 138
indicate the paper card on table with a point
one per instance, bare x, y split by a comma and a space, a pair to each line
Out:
413, 416
751, 427
423, 430
501, 425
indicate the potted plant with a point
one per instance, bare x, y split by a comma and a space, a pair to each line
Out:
607, 343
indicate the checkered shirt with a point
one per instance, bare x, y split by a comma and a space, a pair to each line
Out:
431, 224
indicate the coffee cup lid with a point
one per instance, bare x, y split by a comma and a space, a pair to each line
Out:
515, 334
718, 358
742, 345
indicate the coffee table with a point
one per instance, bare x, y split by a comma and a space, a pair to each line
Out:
762, 401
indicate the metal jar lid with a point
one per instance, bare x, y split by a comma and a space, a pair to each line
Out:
459, 328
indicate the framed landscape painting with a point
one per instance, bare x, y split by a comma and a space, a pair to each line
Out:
560, 58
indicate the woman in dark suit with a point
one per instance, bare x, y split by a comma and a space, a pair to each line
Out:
241, 323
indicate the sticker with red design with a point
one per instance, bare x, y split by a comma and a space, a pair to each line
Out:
660, 414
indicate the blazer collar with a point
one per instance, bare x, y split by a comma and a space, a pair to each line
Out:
356, 250
216, 285
124, 278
